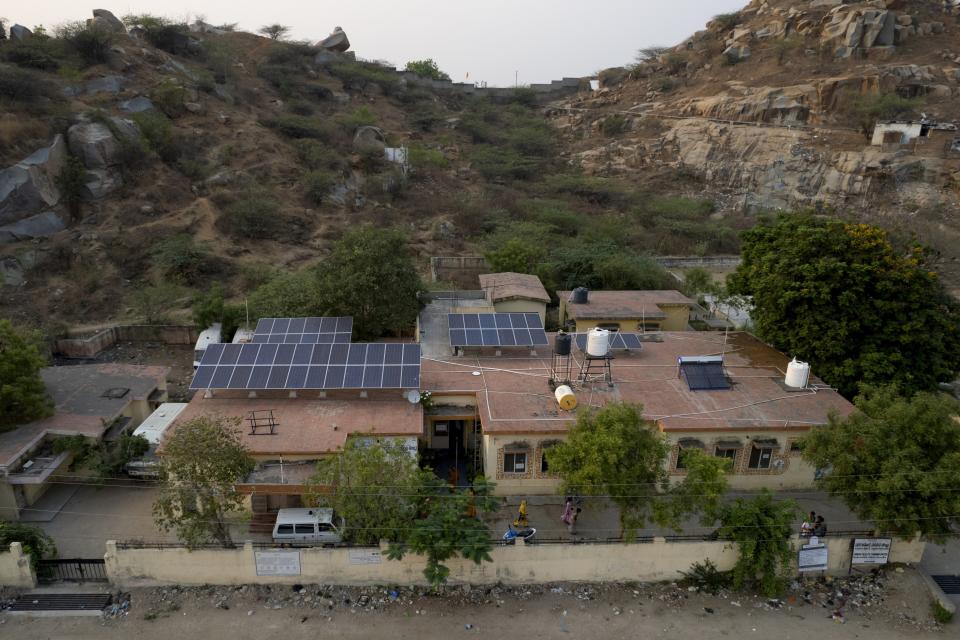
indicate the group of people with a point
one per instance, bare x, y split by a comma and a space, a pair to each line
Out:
571, 511
814, 525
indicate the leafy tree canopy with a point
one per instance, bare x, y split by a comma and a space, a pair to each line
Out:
894, 461
23, 396
34, 540
448, 526
615, 452
374, 486
761, 527
370, 275
201, 462
427, 69
841, 297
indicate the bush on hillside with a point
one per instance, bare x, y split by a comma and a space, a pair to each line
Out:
726, 21
92, 43
613, 125
426, 69
600, 191
294, 126
497, 163
358, 75
316, 155
45, 54
870, 109
252, 216
25, 87
317, 184
182, 259
158, 132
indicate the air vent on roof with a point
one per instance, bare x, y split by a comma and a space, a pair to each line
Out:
115, 393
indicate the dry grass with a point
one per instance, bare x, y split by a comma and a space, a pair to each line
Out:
20, 135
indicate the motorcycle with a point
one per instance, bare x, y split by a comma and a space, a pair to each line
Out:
512, 534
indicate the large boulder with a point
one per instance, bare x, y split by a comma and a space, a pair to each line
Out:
336, 41
878, 28
20, 33
737, 53
38, 226
106, 20
100, 182
136, 105
105, 84
94, 144
30, 185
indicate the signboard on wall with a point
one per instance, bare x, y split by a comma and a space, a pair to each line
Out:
365, 556
813, 556
277, 563
871, 551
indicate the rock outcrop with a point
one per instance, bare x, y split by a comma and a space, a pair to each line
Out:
20, 33
336, 41
106, 20
95, 144
30, 186
37, 226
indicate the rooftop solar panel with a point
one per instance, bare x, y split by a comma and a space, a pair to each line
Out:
704, 375
618, 340
496, 330
303, 330
309, 366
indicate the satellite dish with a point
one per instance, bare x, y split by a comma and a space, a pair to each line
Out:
413, 396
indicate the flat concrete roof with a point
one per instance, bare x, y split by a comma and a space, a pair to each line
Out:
308, 426
514, 395
87, 398
510, 285
623, 305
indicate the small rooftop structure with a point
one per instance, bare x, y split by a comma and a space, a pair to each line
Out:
623, 305
509, 285
86, 401
156, 424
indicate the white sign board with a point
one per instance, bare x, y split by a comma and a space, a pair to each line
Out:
365, 556
278, 563
871, 551
812, 557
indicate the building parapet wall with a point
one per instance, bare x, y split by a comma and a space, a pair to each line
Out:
514, 564
90, 346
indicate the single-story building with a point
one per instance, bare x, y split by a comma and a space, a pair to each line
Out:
515, 292
96, 401
898, 132
628, 311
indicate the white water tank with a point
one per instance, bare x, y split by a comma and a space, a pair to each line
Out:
565, 398
798, 374
598, 342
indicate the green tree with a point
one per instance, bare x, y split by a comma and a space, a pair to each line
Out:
181, 258
447, 527
72, 183
696, 281
370, 275
614, 452
894, 461
287, 295
23, 396
841, 297
761, 527
211, 307
517, 255
373, 485
202, 461
869, 109
34, 540
426, 69
275, 31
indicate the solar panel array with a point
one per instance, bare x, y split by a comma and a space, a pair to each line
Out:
304, 330
705, 374
616, 339
309, 366
496, 330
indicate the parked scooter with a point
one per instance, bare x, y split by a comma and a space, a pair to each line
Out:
512, 534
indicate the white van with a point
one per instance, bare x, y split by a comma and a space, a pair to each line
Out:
208, 336
308, 526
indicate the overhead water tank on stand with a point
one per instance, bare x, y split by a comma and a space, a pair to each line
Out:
580, 295
561, 344
565, 398
598, 343
798, 374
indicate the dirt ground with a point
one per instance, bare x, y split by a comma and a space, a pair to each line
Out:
558, 611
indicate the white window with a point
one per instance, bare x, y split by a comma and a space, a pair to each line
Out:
514, 462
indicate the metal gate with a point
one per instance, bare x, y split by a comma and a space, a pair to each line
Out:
71, 570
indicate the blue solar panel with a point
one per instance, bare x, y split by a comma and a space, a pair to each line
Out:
309, 366
617, 340
496, 330
705, 375
303, 330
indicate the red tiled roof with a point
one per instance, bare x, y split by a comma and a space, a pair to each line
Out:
509, 285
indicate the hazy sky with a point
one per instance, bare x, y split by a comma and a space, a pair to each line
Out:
542, 40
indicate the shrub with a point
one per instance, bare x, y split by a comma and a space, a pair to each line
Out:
294, 126
36, 543
92, 44
287, 295
182, 259
650, 54
675, 62
665, 84
316, 155
169, 96
317, 184
36, 53
498, 163
172, 37
427, 69
532, 140
252, 216
705, 577
870, 109
726, 21
524, 96
601, 191
424, 157
940, 613
613, 125
300, 108
357, 75
26, 87
72, 184
158, 133
359, 117
426, 117
153, 303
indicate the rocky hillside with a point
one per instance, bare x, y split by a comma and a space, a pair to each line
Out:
773, 108
148, 160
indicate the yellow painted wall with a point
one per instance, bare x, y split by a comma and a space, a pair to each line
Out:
677, 319
8, 503
522, 306
15, 568
531, 482
515, 564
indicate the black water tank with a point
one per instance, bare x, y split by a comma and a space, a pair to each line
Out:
561, 345
581, 295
